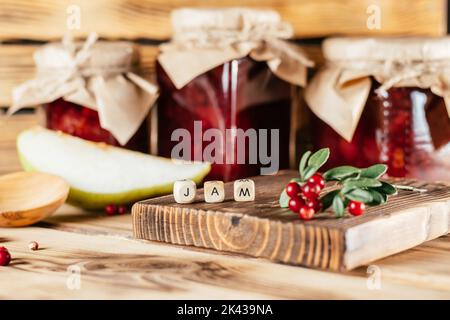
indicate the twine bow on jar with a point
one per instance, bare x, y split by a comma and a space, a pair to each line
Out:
99, 75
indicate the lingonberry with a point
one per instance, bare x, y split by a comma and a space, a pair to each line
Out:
310, 190
111, 209
295, 203
33, 245
306, 213
356, 208
293, 189
5, 257
122, 209
318, 180
314, 204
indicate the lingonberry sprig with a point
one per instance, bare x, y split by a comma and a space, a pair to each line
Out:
357, 188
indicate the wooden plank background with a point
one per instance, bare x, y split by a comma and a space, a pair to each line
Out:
134, 19
148, 21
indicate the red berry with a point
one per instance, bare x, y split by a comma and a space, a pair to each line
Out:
122, 209
293, 189
310, 190
5, 257
111, 209
314, 204
295, 204
306, 213
318, 180
356, 208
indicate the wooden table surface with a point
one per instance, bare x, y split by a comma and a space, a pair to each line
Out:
88, 255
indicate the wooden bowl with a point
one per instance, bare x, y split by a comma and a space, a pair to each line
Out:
28, 197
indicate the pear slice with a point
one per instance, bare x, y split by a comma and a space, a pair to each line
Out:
99, 174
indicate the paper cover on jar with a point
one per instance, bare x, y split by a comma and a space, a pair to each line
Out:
338, 93
206, 38
99, 75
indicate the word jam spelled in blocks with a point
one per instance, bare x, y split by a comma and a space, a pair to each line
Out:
214, 191
244, 190
184, 191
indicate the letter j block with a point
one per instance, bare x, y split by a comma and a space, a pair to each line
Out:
244, 190
214, 191
184, 191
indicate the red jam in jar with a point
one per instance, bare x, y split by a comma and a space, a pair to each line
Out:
241, 93
407, 128
84, 123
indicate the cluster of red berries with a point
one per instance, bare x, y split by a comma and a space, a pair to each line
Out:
5, 257
304, 200
112, 209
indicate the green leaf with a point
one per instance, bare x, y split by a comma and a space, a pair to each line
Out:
338, 206
339, 173
377, 198
303, 161
374, 171
360, 183
327, 199
386, 188
309, 172
359, 195
295, 180
319, 158
284, 199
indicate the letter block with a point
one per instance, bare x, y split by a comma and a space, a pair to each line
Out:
244, 190
184, 191
214, 191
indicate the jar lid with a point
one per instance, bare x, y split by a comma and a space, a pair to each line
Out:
120, 56
396, 49
194, 20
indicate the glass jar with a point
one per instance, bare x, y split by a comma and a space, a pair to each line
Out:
241, 93
232, 71
92, 90
406, 128
381, 100
84, 123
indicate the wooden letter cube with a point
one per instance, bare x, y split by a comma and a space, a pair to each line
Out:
184, 191
214, 191
244, 190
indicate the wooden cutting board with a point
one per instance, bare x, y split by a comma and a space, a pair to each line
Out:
262, 229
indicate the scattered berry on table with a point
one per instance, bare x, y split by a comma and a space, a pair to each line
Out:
33, 245
122, 209
293, 189
356, 208
306, 213
5, 257
111, 209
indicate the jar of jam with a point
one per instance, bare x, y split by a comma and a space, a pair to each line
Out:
91, 90
84, 122
217, 77
381, 101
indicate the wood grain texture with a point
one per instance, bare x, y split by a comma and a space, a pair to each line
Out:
44, 20
112, 267
263, 229
10, 127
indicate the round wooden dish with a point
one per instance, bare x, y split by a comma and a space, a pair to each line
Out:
28, 197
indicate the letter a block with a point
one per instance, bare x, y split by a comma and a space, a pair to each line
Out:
244, 190
214, 191
184, 191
